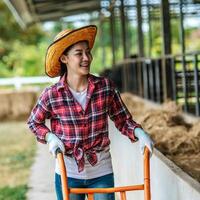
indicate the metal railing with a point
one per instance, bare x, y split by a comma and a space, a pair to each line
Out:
174, 77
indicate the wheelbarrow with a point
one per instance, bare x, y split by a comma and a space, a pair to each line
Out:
91, 191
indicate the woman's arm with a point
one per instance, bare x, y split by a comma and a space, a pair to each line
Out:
39, 114
122, 118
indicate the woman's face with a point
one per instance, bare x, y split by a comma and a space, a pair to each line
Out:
78, 59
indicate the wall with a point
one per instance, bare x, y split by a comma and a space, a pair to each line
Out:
168, 182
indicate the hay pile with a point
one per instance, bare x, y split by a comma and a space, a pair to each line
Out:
174, 136
16, 105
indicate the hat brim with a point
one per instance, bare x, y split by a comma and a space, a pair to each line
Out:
55, 50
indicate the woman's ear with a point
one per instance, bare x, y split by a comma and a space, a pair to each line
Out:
63, 58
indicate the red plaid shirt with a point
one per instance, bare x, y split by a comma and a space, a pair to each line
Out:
82, 131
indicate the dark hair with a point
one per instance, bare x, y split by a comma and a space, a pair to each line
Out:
63, 68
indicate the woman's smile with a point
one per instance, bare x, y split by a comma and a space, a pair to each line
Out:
85, 64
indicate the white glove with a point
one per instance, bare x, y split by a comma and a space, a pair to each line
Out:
54, 143
144, 140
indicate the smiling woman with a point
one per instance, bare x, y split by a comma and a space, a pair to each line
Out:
77, 60
78, 107
17, 150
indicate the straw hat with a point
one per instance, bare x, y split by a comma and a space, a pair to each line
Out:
63, 40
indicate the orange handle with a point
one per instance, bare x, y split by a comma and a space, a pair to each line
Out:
147, 189
90, 191
63, 173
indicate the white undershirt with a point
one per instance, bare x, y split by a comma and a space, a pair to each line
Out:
80, 96
104, 164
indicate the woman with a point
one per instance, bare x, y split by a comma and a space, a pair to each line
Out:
78, 107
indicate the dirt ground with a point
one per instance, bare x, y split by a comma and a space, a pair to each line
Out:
176, 135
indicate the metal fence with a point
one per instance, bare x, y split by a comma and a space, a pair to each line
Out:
170, 77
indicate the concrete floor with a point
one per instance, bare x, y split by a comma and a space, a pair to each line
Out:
41, 182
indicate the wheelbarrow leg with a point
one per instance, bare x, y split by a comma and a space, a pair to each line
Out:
91, 196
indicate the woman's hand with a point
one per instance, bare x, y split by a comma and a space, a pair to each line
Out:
144, 140
54, 143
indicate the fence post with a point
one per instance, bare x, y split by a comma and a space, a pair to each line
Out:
167, 79
196, 84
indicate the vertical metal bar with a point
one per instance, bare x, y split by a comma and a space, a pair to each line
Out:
128, 76
196, 85
139, 28
112, 31
173, 78
122, 195
123, 23
147, 189
150, 30
158, 80
125, 83
124, 77
137, 88
184, 83
91, 196
133, 78
182, 37
164, 79
165, 23
136, 78
166, 35
140, 78
145, 80
151, 81
182, 32
178, 81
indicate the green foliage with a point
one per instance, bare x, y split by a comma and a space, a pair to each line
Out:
97, 65
24, 60
156, 49
21, 51
101, 52
13, 193
7, 24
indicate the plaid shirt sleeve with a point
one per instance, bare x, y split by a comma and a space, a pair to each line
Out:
36, 121
119, 113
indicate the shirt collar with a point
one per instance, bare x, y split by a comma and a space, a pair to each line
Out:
92, 80
61, 83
